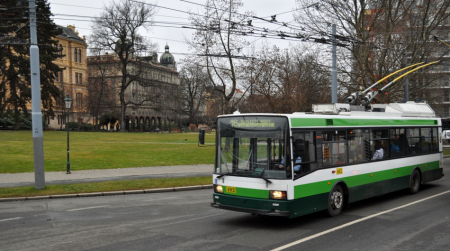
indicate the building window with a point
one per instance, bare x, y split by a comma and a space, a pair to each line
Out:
60, 49
79, 55
76, 78
75, 55
59, 76
80, 81
79, 100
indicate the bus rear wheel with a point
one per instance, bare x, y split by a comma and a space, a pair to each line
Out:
335, 201
414, 182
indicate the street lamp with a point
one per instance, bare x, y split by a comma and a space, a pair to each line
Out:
68, 102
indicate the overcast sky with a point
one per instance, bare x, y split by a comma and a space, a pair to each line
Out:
169, 19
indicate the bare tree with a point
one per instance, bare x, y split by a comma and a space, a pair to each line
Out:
117, 29
375, 37
285, 82
101, 93
218, 37
193, 82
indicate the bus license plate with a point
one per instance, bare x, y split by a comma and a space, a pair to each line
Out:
231, 190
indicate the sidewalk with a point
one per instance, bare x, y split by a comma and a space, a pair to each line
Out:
86, 176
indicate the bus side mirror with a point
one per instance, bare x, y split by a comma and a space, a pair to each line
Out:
201, 136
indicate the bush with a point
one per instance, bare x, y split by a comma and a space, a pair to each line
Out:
7, 121
88, 127
192, 127
205, 127
73, 125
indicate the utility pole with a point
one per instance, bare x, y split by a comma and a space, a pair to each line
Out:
333, 69
36, 114
406, 85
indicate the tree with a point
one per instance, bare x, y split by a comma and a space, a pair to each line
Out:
101, 93
285, 82
375, 37
218, 37
193, 83
15, 88
117, 29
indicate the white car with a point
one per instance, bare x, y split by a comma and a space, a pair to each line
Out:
446, 136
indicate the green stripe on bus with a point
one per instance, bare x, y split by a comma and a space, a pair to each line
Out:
249, 192
358, 180
313, 122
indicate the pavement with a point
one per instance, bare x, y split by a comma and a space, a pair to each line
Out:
86, 176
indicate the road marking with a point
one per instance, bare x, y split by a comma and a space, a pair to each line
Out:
70, 210
12, 219
182, 221
354, 222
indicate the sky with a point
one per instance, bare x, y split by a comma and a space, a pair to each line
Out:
169, 19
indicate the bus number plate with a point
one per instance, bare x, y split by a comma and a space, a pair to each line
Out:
231, 190
339, 171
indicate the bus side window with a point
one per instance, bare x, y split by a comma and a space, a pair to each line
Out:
334, 149
356, 146
304, 147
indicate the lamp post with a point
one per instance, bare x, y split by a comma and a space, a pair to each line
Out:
68, 102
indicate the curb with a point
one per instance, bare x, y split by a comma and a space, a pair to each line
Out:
156, 190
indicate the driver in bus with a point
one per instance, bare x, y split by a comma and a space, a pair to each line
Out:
298, 149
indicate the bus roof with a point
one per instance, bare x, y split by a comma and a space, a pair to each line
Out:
344, 115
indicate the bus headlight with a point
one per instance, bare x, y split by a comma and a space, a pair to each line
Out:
278, 195
218, 189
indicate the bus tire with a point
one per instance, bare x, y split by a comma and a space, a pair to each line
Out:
335, 201
414, 182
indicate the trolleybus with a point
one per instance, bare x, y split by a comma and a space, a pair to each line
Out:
295, 164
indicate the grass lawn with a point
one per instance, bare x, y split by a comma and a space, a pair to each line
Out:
103, 150
103, 186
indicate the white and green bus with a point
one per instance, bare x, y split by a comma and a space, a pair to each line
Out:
295, 164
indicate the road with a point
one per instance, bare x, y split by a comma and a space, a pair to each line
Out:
185, 221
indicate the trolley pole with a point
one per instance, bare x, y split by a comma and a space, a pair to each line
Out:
333, 69
36, 114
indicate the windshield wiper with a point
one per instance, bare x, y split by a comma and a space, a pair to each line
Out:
261, 176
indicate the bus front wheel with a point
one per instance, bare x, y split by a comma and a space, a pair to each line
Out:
414, 182
335, 201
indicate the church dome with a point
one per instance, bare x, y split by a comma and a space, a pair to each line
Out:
166, 58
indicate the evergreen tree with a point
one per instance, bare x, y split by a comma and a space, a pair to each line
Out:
15, 81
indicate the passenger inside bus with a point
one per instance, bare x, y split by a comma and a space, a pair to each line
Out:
379, 152
395, 148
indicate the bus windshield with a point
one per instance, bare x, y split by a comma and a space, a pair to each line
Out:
253, 146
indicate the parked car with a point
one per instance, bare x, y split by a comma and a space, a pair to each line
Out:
446, 136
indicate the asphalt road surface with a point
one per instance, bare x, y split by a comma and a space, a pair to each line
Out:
185, 221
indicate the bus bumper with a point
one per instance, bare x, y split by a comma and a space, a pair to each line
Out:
252, 205
252, 211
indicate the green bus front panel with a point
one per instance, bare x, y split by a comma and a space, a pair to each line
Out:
294, 208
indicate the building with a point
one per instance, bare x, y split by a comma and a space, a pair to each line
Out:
150, 98
72, 79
